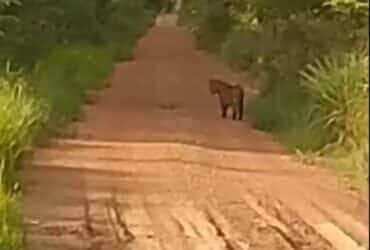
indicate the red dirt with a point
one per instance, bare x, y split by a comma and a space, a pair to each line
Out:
153, 166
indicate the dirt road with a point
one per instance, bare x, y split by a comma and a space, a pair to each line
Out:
154, 167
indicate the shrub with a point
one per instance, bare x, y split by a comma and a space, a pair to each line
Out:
69, 22
214, 28
339, 89
65, 77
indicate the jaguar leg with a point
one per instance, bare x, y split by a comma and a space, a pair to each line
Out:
224, 111
234, 113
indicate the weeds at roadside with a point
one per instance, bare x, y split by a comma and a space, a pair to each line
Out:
16, 100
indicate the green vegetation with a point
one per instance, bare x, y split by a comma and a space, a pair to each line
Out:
66, 75
311, 62
65, 49
10, 231
16, 100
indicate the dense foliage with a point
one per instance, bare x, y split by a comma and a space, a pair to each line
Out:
65, 49
310, 59
38, 26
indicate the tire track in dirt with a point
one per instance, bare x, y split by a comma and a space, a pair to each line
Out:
180, 218
154, 226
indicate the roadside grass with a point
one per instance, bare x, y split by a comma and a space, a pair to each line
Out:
21, 114
64, 79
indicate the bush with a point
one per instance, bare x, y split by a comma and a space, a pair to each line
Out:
69, 22
122, 20
214, 28
65, 77
339, 88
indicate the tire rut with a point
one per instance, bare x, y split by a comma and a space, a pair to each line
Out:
153, 225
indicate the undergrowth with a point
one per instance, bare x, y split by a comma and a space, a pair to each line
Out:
65, 77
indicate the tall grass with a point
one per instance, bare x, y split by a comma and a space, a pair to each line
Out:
339, 88
21, 115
